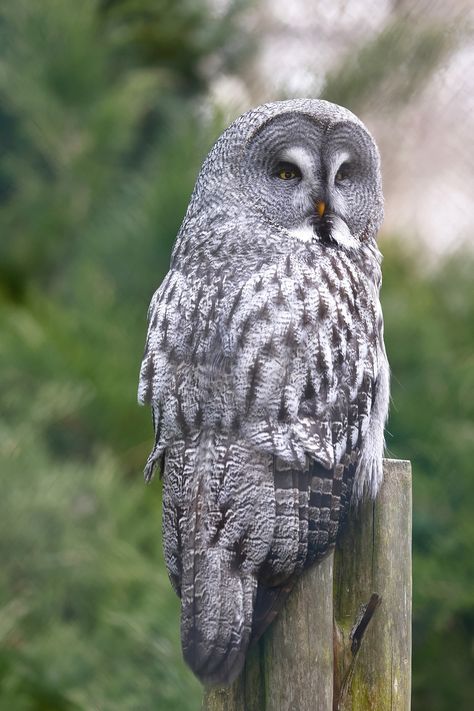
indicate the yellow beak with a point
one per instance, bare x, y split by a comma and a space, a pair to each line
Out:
320, 207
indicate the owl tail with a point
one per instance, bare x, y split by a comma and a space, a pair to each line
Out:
216, 619
227, 533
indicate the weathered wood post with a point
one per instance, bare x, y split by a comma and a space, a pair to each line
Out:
343, 640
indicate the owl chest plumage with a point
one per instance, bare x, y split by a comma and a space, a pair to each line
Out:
281, 358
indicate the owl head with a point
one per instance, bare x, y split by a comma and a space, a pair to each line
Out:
302, 170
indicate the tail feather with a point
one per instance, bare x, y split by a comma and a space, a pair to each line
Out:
216, 618
225, 535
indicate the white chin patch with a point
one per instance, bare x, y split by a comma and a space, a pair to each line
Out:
305, 233
340, 233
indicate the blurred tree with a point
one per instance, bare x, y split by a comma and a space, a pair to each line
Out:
76, 105
180, 38
68, 127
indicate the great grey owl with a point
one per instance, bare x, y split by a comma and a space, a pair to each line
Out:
266, 370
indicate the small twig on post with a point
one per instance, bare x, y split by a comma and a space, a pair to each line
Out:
356, 636
360, 625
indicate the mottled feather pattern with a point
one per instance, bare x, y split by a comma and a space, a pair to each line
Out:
279, 359
267, 376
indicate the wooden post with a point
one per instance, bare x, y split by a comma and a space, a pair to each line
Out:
374, 556
343, 640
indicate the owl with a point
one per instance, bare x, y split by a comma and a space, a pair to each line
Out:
266, 370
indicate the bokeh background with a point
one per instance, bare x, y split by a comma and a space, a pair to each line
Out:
107, 109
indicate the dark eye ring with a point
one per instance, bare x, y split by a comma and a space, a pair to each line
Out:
343, 172
287, 171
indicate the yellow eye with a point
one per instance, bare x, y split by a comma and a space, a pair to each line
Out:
287, 174
287, 171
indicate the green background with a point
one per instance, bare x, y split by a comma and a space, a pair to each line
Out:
102, 134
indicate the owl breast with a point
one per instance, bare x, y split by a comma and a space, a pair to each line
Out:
286, 358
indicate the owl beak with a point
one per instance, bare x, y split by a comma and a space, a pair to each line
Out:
320, 207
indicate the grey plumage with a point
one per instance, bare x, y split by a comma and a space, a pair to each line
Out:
265, 369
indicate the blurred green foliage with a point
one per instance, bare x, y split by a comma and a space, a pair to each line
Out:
430, 342
101, 143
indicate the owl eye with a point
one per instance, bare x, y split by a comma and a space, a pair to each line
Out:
343, 173
287, 171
